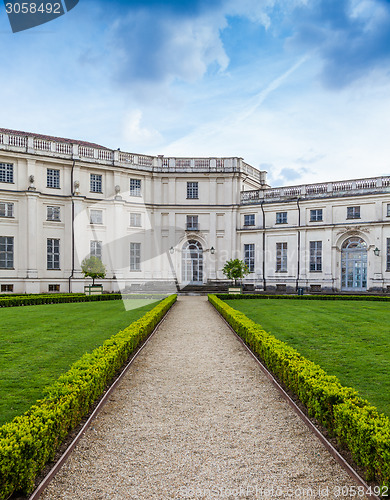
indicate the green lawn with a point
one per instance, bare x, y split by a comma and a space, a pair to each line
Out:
346, 338
38, 343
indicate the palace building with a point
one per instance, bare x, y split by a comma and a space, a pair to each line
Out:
161, 223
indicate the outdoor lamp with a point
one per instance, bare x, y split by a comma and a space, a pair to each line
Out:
212, 250
376, 251
171, 250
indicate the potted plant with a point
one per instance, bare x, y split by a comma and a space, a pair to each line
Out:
235, 269
94, 268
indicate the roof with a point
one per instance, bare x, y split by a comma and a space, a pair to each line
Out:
51, 138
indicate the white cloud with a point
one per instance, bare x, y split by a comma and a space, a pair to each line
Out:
136, 134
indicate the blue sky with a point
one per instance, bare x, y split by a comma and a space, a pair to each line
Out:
300, 88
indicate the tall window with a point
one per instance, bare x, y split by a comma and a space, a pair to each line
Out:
249, 256
135, 220
6, 209
96, 249
192, 223
53, 253
249, 219
6, 252
353, 212
388, 255
316, 256
96, 217
388, 210
192, 191
316, 215
135, 256
53, 213
53, 178
135, 187
96, 183
281, 257
281, 217
6, 172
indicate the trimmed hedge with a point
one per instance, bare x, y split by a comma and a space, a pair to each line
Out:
56, 298
29, 441
226, 296
356, 424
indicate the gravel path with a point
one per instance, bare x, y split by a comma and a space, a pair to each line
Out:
196, 418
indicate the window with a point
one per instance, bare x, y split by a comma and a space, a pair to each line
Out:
135, 187
54, 288
353, 212
192, 190
388, 210
6, 209
96, 249
316, 215
135, 220
135, 256
6, 172
388, 254
53, 213
281, 257
53, 178
249, 220
192, 223
281, 217
316, 256
7, 288
96, 216
53, 253
96, 183
6, 252
249, 256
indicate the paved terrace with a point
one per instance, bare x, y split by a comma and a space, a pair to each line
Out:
196, 418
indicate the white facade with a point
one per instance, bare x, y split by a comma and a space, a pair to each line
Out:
161, 222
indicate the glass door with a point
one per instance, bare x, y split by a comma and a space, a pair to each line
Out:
192, 263
354, 265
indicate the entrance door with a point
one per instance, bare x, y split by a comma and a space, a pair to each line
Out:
192, 263
354, 264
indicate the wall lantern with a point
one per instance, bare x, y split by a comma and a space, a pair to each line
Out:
212, 250
376, 251
171, 250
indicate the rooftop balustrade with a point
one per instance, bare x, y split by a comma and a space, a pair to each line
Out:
321, 190
85, 152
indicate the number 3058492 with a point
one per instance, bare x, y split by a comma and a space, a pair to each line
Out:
33, 8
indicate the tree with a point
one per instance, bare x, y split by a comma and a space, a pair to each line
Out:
94, 268
235, 269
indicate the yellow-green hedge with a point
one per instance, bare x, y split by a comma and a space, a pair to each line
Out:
29, 441
356, 424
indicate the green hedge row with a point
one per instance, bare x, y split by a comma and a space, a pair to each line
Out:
226, 296
29, 441
356, 424
55, 298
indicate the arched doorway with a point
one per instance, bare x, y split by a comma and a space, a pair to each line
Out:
192, 263
354, 264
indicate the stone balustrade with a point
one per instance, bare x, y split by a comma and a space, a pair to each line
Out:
321, 190
67, 150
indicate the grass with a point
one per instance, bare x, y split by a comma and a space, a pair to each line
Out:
348, 339
38, 343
